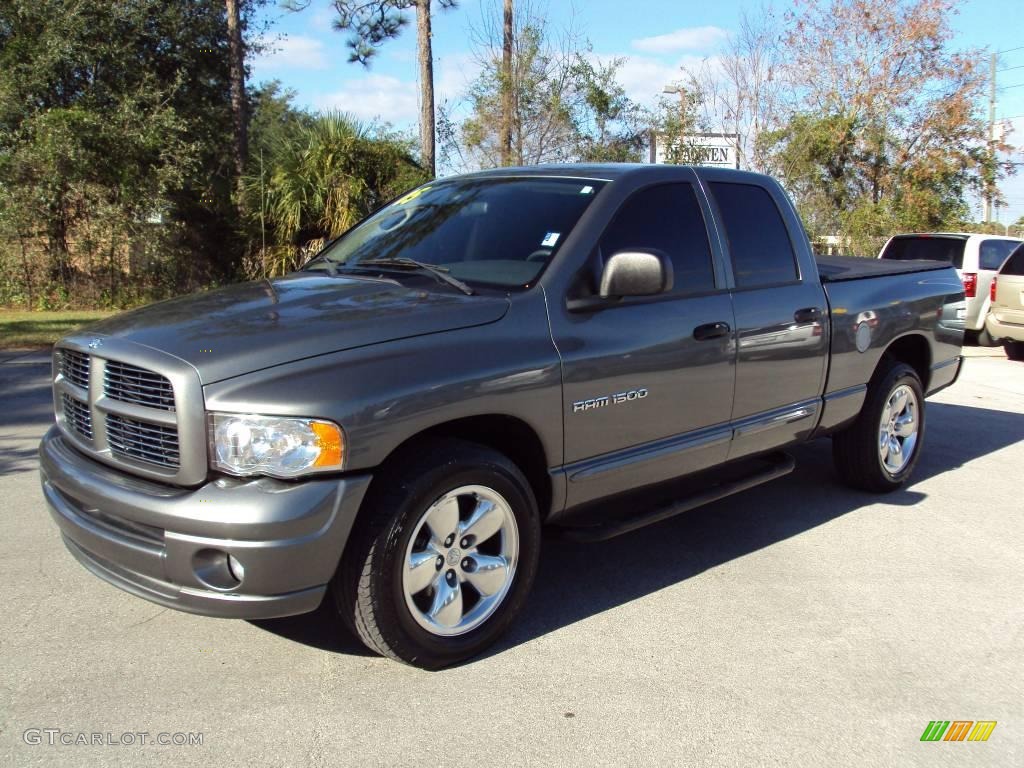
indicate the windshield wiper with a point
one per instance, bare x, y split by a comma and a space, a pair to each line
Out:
328, 264
403, 262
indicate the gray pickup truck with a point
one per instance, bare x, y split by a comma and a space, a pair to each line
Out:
590, 348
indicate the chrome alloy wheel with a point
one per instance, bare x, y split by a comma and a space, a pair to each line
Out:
897, 431
461, 560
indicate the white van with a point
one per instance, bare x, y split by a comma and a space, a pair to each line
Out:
977, 258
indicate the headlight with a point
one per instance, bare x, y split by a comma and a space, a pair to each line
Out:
247, 444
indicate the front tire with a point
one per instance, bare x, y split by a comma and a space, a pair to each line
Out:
443, 560
879, 451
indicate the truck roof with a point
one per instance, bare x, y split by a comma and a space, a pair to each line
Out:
611, 171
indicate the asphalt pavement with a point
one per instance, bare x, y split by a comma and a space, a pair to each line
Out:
796, 624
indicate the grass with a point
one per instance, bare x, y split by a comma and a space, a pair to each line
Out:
41, 329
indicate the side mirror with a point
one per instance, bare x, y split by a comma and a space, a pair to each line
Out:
636, 273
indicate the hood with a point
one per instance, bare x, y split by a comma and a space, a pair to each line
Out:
243, 328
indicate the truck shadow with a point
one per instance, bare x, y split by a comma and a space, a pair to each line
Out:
576, 581
26, 414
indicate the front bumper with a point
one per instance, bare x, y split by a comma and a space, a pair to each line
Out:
170, 545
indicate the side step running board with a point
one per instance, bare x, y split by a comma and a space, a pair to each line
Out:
778, 465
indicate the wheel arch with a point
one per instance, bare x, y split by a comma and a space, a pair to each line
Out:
913, 350
509, 435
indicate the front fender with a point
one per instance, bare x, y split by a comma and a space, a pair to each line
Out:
387, 393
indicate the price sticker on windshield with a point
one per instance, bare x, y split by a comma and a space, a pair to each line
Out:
412, 196
550, 239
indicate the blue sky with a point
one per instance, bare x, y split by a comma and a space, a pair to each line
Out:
657, 36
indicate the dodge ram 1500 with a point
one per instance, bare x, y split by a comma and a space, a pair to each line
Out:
392, 424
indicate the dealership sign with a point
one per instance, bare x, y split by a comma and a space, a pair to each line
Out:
717, 149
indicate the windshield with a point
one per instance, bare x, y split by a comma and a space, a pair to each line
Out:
949, 249
499, 232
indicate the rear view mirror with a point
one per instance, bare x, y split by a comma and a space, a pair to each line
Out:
636, 273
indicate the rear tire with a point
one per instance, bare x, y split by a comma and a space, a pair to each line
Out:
430, 597
1014, 350
879, 451
984, 339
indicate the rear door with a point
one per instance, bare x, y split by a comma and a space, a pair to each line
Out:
781, 315
992, 254
1008, 306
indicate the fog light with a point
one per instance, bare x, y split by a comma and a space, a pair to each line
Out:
216, 568
236, 568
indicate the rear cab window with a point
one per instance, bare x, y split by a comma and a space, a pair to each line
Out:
928, 248
759, 244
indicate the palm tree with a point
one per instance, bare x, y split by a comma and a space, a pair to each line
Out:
324, 177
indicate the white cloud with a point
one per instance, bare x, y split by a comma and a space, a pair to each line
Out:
685, 39
322, 20
643, 78
375, 96
453, 75
291, 52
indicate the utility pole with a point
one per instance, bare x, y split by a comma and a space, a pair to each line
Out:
986, 212
678, 89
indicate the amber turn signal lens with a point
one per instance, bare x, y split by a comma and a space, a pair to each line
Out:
331, 443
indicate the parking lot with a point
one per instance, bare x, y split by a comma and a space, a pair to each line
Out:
797, 624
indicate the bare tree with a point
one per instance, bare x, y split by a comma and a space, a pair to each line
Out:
540, 71
739, 91
883, 132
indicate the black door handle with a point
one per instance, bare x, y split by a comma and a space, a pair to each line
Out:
808, 315
711, 331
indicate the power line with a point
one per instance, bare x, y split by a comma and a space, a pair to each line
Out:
1010, 50
1007, 69
1008, 87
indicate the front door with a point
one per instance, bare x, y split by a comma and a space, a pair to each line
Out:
648, 382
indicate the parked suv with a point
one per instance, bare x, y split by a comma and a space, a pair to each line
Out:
977, 258
1006, 319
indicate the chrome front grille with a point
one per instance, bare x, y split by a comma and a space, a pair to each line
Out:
74, 366
131, 407
143, 441
77, 416
132, 384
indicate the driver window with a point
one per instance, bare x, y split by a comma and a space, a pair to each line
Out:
667, 218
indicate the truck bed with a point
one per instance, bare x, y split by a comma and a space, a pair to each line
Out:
835, 269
